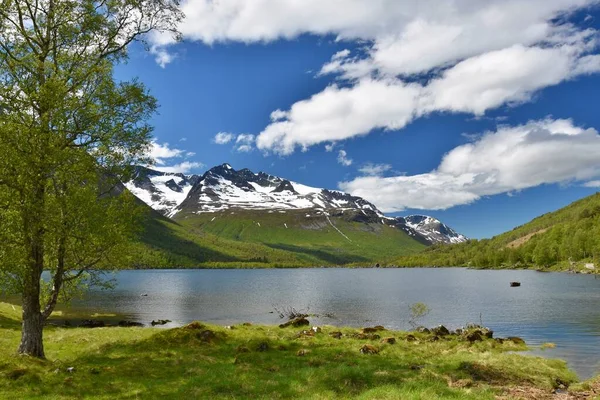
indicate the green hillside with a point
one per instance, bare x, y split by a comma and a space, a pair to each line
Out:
561, 240
247, 239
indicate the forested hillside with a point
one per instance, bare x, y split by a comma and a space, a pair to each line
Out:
563, 239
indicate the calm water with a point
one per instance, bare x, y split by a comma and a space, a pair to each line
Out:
548, 307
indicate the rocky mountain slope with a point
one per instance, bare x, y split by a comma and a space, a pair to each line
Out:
223, 189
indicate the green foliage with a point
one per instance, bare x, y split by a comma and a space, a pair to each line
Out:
177, 363
557, 240
68, 134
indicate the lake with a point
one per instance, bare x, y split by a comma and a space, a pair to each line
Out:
549, 307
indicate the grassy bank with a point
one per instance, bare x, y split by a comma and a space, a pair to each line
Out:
205, 361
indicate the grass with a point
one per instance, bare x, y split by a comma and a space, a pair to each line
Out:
262, 362
251, 239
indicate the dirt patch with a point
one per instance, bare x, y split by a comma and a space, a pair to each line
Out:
531, 393
524, 239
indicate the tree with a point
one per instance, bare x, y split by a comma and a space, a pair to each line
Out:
68, 134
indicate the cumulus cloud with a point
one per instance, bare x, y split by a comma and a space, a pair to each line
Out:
163, 154
592, 184
244, 143
467, 55
160, 152
223, 137
371, 169
509, 159
182, 168
343, 159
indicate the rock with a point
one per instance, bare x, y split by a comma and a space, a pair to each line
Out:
488, 333
128, 324
434, 339
515, 284
336, 335
515, 340
262, 346
389, 340
368, 349
302, 352
144, 295
206, 335
71, 370
459, 331
89, 323
373, 329
415, 367
440, 331
422, 329
410, 338
475, 336
316, 329
194, 326
246, 324
230, 327
160, 322
301, 321
94, 371
499, 340
305, 333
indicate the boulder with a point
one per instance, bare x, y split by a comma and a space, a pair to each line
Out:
474, 336
410, 338
296, 322
515, 340
336, 335
422, 329
160, 322
440, 331
368, 349
389, 340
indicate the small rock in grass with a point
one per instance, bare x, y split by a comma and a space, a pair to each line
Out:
422, 329
475, 336
194, 326
302, 352
336, 335
368, 349
440, 331
515, 340
410, 338
230, 327
434, 339
316, 329
246, 324
389, 340
71, 370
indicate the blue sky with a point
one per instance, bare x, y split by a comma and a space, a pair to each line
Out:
482, 114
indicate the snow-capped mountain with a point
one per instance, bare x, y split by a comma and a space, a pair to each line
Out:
223, 188
162, 191
430, 228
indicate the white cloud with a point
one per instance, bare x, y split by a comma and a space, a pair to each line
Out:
371, 169
469, 55
507, 160
223, 137
343, 159
162, 154
244, 143
159, 152
329, 147
339, 113
182, 168
592, 184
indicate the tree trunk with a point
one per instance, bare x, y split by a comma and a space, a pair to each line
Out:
33, 323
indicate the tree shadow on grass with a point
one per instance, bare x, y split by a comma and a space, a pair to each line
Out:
325, 256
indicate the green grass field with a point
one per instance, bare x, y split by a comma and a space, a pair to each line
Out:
251, 239
204, 361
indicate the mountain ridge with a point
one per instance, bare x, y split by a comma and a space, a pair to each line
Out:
223, 188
